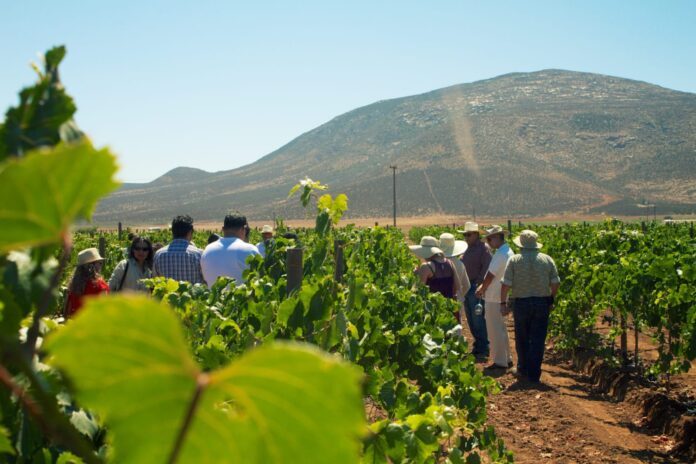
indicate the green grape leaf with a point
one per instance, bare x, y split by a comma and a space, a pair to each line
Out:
48, 190
129, 362
68, 458
5, 445
44, 114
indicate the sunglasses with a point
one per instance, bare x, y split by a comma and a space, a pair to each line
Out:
141, 248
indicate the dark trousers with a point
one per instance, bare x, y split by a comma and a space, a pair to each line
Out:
531, 324
477, 324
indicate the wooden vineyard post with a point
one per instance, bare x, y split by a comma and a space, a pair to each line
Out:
509, 229
691, 229
102, 247
338, 260
636, 327
120, 231
294, 265
624, 340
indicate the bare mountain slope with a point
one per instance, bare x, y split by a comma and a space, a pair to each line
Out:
525, 143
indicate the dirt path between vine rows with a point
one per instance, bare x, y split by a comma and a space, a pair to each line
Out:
564, 420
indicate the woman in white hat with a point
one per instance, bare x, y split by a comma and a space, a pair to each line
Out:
453, 249
86, 280
437, 272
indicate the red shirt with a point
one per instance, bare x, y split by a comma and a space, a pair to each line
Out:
75, 302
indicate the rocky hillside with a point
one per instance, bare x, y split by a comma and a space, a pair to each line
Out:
520, 144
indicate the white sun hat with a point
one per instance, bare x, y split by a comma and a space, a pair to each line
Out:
452, 247
90, 255
470, 227
428, 247
266, 229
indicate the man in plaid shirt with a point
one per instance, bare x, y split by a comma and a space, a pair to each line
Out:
180, 260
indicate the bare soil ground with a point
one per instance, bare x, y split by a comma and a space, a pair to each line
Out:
566, 420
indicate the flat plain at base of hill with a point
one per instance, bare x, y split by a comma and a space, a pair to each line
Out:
407, 223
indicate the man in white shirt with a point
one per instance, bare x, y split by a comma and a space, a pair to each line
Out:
227, 256
490, 291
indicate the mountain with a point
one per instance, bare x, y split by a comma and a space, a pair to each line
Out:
550, 141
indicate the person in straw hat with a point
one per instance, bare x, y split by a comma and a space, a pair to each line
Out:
532, 277
437, 272
86, 280
267, 236
453, 249
489, 290
476, 259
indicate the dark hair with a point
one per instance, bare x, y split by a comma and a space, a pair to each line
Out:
235, 221
157, 246
182, 225
83, 274
290, 235
213, 238
131, 236
150, 252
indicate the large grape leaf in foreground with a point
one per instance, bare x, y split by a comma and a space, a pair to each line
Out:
129, 362
46, 191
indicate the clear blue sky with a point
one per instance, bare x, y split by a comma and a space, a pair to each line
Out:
219, 84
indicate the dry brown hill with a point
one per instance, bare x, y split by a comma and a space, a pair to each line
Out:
525, 143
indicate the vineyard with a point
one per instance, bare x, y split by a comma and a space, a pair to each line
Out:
330, 351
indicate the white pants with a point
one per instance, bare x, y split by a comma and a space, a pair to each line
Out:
497, 334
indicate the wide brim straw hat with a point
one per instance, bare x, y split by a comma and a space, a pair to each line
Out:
528, 240
470, 227
90, 255
451, 247
428, 247
267, 229
496, 229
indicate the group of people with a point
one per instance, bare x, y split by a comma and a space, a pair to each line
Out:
181, 260
489, 281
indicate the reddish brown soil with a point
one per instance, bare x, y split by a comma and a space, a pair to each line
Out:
566, 420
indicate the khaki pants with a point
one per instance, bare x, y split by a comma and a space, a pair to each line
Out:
497, 335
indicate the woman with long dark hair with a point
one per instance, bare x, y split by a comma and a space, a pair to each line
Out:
86, 280
128, 274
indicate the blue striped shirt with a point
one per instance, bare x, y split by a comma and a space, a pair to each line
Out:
179, 261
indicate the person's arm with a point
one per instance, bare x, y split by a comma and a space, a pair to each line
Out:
506, 285
465, 282
554, 289
424, 272
554, 279
456, 282
155, 266
485, 261
481, 289
504, 290
117, 276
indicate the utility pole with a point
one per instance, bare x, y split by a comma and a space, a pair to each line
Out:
393, 168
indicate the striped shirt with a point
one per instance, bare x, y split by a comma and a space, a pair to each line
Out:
179, 261
530, 274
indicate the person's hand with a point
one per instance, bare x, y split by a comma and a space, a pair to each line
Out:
479, 291
504, 310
